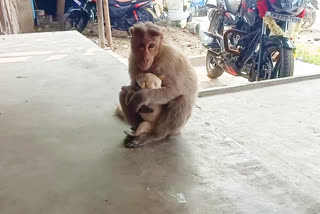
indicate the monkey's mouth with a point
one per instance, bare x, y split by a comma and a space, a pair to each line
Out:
145, 66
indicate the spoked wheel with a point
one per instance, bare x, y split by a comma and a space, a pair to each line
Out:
75, 21
213, 69
278, 62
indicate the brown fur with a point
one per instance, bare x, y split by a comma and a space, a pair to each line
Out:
179, 91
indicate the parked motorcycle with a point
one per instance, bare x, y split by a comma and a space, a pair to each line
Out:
310, 16
232, 5
157, 10
123, 15
249, 48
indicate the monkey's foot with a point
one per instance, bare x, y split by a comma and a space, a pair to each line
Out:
128, 142
135, 142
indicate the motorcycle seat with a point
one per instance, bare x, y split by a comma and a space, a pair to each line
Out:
118, 11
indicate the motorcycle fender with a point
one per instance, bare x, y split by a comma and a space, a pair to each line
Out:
151, 11
279, 41
79, 10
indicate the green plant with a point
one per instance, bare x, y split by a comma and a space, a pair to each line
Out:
308, 53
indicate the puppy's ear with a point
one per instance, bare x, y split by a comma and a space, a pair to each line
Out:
143, 85
161, 77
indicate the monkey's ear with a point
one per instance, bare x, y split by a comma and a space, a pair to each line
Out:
131, 31
161, 77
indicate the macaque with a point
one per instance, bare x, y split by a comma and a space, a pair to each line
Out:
151, 81
150, 53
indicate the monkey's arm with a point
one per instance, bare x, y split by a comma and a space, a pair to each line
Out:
161, 95
153, 96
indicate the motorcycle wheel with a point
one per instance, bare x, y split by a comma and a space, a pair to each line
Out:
213, 70
309, 18
74, 21
280, 61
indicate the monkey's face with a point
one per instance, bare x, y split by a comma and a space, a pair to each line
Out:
145, 49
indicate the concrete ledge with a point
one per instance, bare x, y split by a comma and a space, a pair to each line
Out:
124, 61
198, 60
255, 85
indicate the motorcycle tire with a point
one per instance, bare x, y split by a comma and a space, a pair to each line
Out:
78, 21
213, 70
287, 63
286, 58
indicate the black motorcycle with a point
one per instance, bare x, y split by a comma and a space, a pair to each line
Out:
249, 48
123, 15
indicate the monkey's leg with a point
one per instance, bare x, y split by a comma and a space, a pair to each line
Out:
144, 127
129, 111
172, 119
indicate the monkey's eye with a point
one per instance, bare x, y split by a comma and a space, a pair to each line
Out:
151, 46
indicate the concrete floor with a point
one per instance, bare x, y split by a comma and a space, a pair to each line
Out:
60, 145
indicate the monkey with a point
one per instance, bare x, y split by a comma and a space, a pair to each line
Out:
150, 53
151, 81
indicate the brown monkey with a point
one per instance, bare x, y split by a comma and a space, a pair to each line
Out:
151, 81
150, 53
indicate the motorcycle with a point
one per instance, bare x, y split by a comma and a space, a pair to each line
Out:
157, 10
310, 16
253, 47
232, 5
123, 15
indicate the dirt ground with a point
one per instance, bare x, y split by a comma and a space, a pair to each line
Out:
183, 40
189, 43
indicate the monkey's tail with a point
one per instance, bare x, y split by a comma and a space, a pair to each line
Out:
119, 112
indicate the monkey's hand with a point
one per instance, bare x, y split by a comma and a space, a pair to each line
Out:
130, 88
129, 92
140, 99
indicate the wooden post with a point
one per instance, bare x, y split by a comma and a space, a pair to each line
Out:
61, 4
100, 24
107, 21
